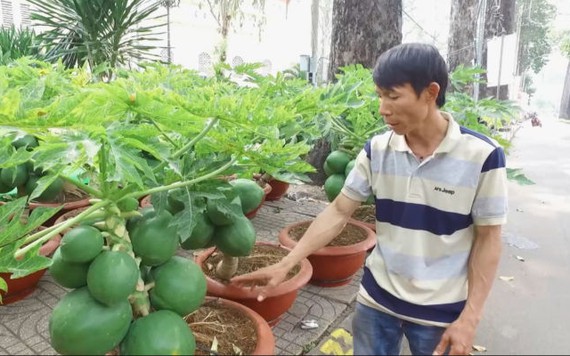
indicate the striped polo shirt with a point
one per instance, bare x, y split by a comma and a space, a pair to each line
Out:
425, 217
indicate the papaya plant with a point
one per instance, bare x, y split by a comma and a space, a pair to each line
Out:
164, 132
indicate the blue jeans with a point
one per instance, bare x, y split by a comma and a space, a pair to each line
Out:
378, 333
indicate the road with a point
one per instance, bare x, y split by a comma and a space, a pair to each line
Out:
528, 311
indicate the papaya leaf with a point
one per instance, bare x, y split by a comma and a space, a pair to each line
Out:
9, 211
231, 209
125, 163
31, 262
517, 176
42, 184
184, 221
55, 155
15, 226
159, 201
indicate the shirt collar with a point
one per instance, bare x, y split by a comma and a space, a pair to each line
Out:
452, 136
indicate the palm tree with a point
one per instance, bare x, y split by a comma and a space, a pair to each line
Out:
16, 43
97, 32
168, 4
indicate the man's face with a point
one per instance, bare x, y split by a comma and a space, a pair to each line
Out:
402, 109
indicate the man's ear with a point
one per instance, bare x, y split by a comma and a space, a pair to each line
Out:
432, 91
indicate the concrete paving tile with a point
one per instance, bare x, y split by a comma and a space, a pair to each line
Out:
26, 326
24, 306
43, 348
7, 338
307, 306
48, 286
34, 340
284, 347
20, 349
310, 208
344, 294
274, 221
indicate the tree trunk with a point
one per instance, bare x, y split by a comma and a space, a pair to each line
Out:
316, 158
461, 48
498, 21
565, 103
362, 30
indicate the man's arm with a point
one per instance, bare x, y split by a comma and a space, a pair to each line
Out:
483, 263
326, 226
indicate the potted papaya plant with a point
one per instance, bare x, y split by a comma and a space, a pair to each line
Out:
236, 252
118, 261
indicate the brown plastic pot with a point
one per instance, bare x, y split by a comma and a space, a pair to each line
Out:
20, 288
334, 265
277, 302
265, 339
278, 189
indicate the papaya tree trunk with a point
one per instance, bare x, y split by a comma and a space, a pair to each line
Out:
227, 267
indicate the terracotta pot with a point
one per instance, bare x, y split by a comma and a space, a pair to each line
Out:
20, 288
334, 265
277, 302
265, 339
279, 188
266, 190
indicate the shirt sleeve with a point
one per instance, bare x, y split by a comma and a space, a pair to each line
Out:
357, 185
490, 206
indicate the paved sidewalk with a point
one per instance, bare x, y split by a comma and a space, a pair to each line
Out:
24, 325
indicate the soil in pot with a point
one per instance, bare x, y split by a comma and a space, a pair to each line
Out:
261, 256
231, 328
365, 214
350, 235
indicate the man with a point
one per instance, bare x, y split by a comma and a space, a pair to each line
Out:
440, 193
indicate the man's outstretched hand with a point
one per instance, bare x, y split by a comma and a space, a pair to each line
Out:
263, 280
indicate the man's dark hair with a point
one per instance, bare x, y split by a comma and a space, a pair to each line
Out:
418, 64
